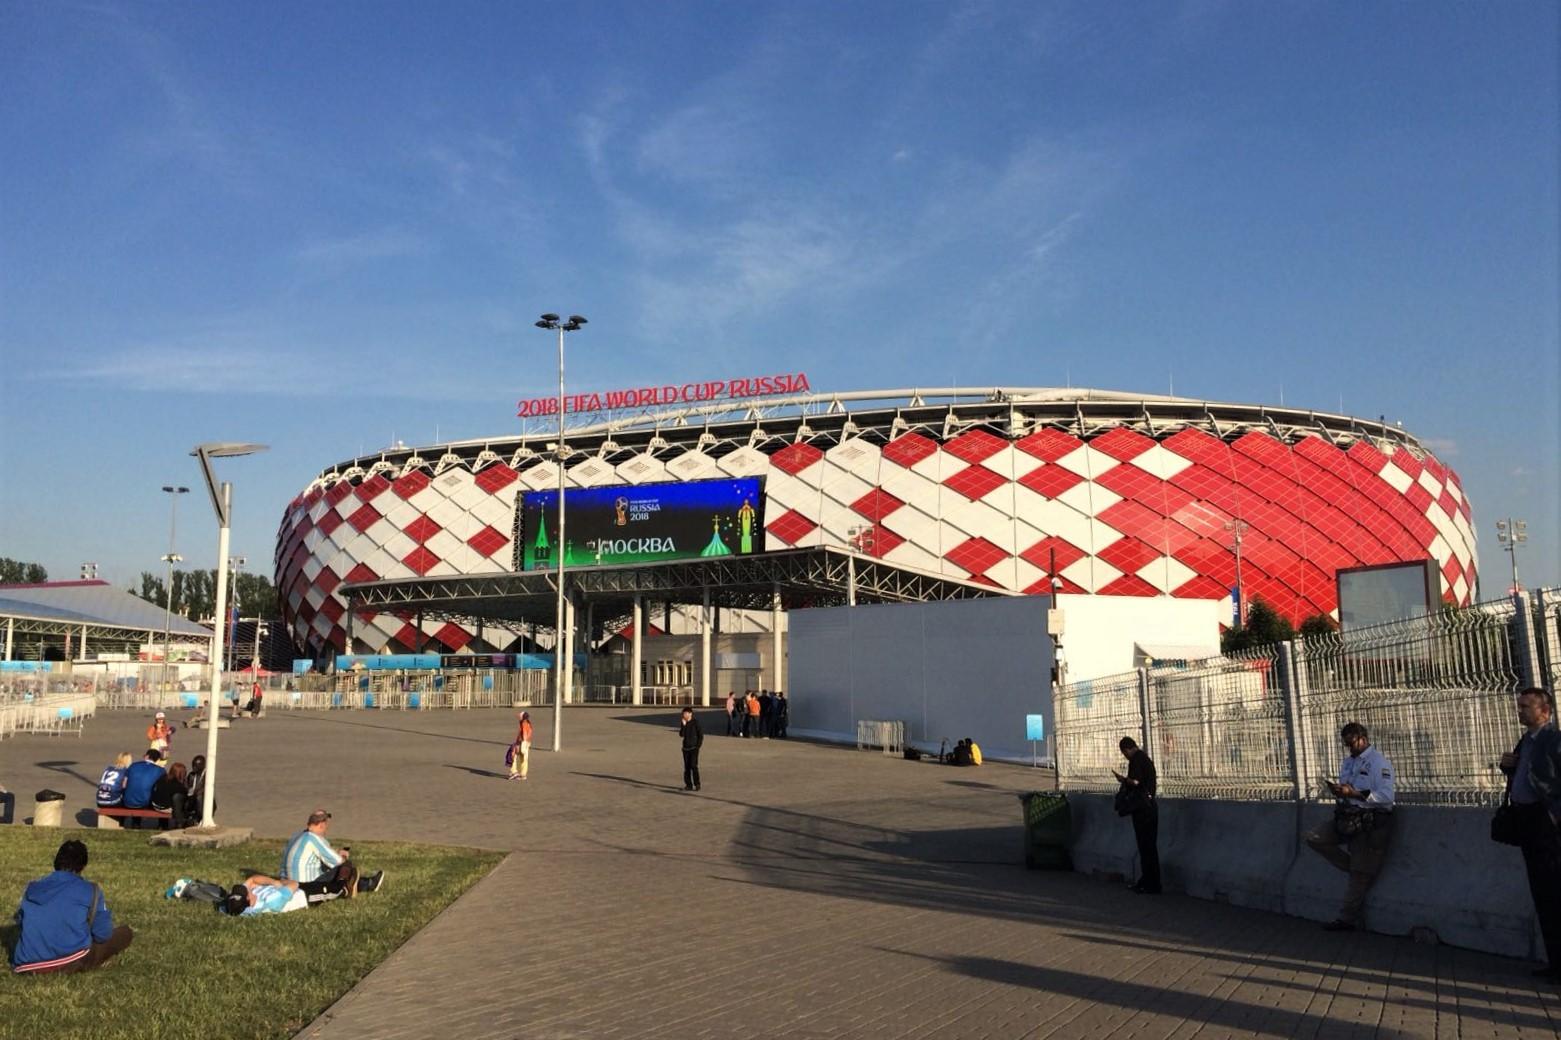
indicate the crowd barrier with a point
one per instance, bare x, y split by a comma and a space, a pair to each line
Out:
49, 713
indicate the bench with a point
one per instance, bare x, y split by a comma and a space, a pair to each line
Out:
114, 813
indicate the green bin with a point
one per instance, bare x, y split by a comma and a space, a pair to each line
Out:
1048, 827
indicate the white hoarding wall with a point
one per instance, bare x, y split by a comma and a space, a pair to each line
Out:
963, 668
1104, 634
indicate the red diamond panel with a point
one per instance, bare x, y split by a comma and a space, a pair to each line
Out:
364, 518
497, 477
338, 492
1050, 481
422, 529
974, 446
329, 522
487, 541
361, 572
373, 487
1368, 456
1049, 445
975, 555
1407, 462
876, 504
326, 581
412, 483
421, 560
1122, 444
1199, 446
794, 458
453, 635
332, 609
1129, 554
1043, 587
1129, 481
974, 482
791, 527
1201, 587
1040, 554
407, 636
1128, 585
880, 541
908, 449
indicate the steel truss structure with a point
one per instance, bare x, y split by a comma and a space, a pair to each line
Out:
812, 577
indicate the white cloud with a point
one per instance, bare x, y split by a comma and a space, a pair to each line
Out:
366, 247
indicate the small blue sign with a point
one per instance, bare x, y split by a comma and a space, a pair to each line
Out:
1035, 727
1235, 606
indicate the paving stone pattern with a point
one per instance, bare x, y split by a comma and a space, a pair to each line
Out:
806, 892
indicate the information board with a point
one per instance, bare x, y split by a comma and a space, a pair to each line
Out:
644, 523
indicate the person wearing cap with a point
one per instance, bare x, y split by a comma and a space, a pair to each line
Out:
140, 779
309, 857
159, 734
65, 924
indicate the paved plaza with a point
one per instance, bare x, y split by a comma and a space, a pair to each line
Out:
807, 892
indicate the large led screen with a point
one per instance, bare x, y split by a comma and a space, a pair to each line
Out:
644, 523
1386, 592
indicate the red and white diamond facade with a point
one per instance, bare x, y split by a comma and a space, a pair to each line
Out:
1124, 495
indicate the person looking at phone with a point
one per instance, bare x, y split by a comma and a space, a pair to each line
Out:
309, 857
1356, 841
1136, 798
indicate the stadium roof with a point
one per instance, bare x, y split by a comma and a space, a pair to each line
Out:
819, 576
105, 610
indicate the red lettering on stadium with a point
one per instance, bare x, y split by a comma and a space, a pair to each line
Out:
709, 392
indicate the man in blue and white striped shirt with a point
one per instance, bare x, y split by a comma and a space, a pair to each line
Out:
309, 857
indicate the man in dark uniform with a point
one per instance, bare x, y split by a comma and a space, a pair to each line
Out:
693, 739
1138, 796
1534, 767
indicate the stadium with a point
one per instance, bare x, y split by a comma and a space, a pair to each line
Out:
1039, 490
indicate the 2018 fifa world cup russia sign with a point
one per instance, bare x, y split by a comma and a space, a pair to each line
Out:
708, 392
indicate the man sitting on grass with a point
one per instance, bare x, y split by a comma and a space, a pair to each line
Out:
66, 926
310, 858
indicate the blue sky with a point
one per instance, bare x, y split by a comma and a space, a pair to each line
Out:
326, 226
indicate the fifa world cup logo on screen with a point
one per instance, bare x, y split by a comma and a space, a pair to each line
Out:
620, 507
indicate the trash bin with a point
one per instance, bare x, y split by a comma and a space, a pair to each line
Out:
1048, 827
49, 810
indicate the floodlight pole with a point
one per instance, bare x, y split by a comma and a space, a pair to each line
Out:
172, 558
1237, 528
561, 644
222, 505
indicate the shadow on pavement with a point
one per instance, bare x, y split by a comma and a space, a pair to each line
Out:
474, 771
631, 781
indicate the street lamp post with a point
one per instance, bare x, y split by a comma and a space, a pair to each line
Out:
1237, 528
173, 492
561, 645
1511, 534
235, 568
222, 504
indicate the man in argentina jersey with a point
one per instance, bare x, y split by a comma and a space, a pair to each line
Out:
309, 857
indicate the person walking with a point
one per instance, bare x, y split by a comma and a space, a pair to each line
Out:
693, 739
1136, 798
1533, 771
732, 729
782, 710
1362, 820
520, 760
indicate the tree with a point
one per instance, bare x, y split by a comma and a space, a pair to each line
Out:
1264, 627
16, 572
1318, 625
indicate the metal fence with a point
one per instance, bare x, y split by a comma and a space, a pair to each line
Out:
1434, 692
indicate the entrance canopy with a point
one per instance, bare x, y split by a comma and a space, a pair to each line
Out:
809, 577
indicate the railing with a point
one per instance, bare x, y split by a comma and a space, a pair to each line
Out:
46, 713
887, 735
1435, 693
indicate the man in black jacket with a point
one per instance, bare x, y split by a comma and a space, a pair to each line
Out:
1534, 786
693, 738
1138, 788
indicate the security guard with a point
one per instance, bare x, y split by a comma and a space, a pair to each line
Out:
1362, 820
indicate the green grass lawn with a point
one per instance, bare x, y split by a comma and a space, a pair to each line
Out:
194, 972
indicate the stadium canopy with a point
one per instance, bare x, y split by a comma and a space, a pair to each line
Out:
811, 577
82, 615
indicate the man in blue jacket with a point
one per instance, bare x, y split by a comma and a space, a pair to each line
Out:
140, 780
66, 926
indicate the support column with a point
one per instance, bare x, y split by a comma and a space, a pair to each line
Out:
775, 640
587, 638
637, 651
347, 643
83, 654
422, 637
851, 580
704, 650
10, 637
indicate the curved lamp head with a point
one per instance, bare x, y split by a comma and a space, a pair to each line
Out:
221, 450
